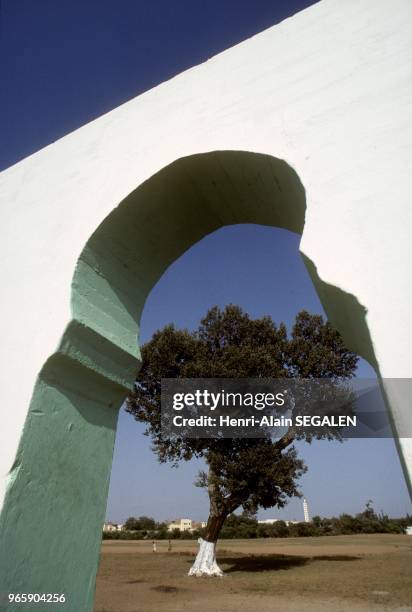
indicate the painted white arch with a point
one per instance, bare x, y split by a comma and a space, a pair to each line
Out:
327, 91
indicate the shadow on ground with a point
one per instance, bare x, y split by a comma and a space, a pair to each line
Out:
261, 563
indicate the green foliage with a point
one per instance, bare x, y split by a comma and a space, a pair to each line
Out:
364, 522
143, 523
237, 526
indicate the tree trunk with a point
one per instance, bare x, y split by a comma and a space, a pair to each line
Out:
205, 563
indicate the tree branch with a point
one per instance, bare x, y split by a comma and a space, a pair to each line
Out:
285, 440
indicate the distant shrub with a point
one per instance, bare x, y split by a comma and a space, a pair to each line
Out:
246, 526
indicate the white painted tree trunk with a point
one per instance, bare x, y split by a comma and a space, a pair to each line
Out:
205, 563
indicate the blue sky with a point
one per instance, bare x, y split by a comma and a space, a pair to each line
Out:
65, 63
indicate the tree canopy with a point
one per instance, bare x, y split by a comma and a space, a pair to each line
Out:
228, 343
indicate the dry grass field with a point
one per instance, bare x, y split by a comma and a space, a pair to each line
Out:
342, 573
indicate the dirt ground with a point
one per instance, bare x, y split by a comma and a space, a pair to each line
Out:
342, 573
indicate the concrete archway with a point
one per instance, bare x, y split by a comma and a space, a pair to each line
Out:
56, 499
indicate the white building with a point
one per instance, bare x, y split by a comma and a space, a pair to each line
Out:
274, 520
110, 527
183, 524
306, 511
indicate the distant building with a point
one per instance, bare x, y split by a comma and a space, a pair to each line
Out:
306, 511
184, 524
272, 521
198, 524
110, 527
